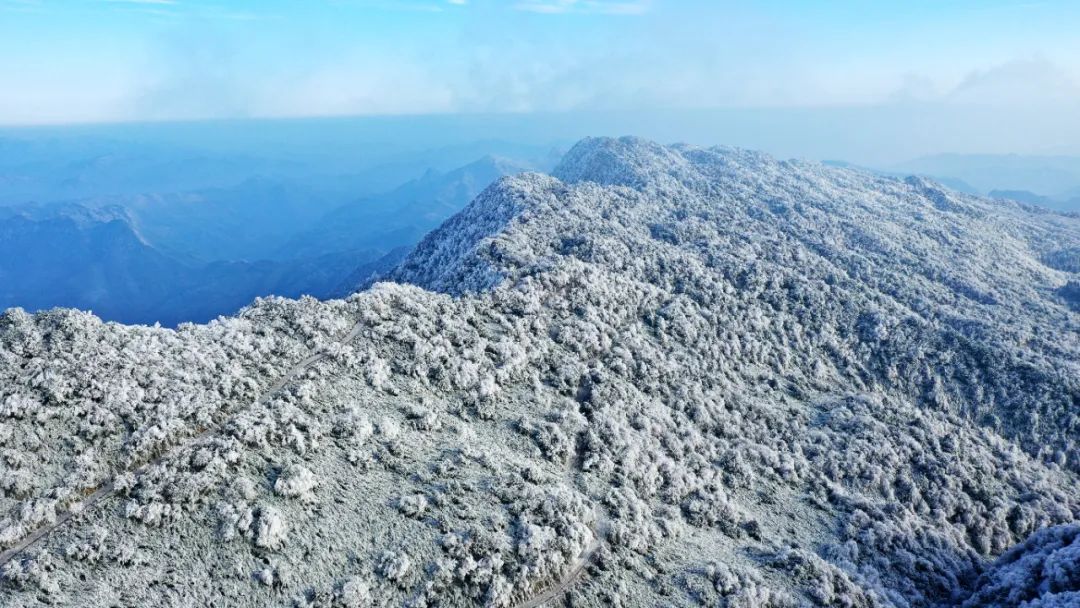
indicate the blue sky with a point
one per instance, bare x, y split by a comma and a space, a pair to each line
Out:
131, 60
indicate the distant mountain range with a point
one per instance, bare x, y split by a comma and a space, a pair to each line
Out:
83, 258
1029, 197
67, 165
154, 232
192, 256
401, 216
1049, 181
94, 259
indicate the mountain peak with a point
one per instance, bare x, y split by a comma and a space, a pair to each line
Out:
453, 257
652, 185
626, 161
636, 162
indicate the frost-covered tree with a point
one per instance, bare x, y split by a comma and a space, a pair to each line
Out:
661, 376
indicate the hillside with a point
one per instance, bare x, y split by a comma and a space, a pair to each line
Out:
660, 376
240, 222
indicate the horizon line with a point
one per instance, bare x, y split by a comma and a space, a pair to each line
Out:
884, 104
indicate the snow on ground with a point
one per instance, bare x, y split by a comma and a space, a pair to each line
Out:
663, 376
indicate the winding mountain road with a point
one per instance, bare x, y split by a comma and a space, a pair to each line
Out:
107, 490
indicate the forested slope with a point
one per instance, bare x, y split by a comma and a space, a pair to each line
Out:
663, 376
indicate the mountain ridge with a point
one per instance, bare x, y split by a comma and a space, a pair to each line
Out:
665, 375
500, 206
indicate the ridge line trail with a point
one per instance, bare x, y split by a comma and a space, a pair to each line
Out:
571, 577
108, 489
599, 529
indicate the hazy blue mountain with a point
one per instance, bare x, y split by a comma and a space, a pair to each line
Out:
94, 259
952, 182
1070, 199
366, 274
172, 223
64, 164
1051, 176
1023, 196
244, 197
51, 171
1063, 203
191, 256
247, 221
224, 287
366, 178
401, 216
88, 259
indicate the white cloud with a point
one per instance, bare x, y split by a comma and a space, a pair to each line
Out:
159, 2
605, 7
358, 84
1030, 82
1034, 80
408, 6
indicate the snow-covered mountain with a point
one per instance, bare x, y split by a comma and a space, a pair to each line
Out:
661, 376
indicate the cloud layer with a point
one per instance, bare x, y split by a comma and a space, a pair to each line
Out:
160, 59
